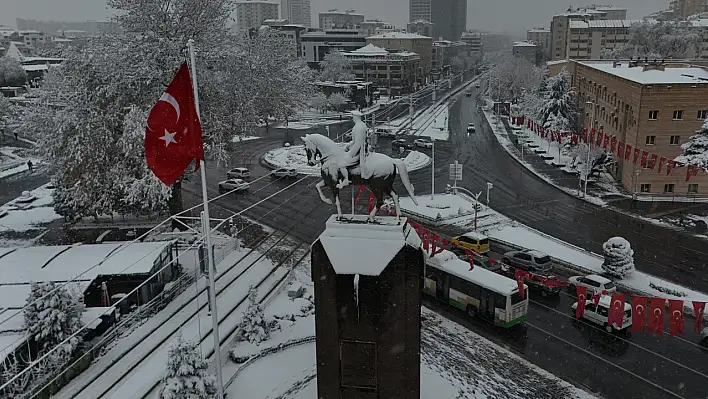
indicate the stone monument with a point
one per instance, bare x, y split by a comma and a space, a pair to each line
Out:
367, 279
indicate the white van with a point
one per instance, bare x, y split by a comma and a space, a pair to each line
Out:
384, 132
598, 315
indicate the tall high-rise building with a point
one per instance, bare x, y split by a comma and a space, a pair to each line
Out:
250, 14
296, 12
448, 16
335, 19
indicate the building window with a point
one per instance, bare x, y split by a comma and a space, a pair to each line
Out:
668, 188
675, 140
693, 188
650, 140
678, 115
702, 114
645, 188
653, 115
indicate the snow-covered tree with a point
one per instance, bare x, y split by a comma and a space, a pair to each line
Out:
510, 77
579, 154
335, 67
558, 106
11, 72
318, 101
188, 374
52, 315
619, 257
337, 100
695, 150
657, 40
6, 110
254, 326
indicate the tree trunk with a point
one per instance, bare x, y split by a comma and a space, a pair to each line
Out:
175, 204
267, 125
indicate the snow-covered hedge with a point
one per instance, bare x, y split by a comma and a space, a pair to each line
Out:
619, 257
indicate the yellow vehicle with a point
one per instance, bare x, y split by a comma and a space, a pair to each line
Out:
474, 241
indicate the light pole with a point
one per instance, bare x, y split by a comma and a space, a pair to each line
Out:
476, 208
489, 187
432, 173
589, 144
327, 128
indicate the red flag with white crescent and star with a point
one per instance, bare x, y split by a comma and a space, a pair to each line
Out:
675, 317
596, 295
358, 193
656, 317
698, 309
639, 313
616, 314
521, 275
470, 257
437, 250
173, 136
426, 238
582, 298
372, 202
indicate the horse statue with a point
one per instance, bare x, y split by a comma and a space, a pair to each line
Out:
381, 168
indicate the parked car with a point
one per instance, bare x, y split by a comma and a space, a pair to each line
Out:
233, 184
592, 282
468, 94
287, 173
598, 315
238, 173
385, 132
477, 85
423, 142
534, 262
401, 143
471, 128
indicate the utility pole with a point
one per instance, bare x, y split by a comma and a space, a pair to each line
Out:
432, 174
589, 144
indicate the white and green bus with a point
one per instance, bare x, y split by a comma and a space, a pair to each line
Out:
479, 292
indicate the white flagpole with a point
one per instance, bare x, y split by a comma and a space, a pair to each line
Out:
207, 234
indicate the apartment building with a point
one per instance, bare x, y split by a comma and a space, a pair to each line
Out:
290, 32
560, 25
250, 14
682, 9
393, 73
402, 41
296, 12
540, 37
448, 16
473, 41
526, 50
587, 39
315, 45
649, 105
335, 19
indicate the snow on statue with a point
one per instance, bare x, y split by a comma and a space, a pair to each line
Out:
619, 257
187, 373
352, 165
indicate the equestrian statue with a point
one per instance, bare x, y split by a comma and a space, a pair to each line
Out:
354, 164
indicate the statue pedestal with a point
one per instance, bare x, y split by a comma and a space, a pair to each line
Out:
367, 309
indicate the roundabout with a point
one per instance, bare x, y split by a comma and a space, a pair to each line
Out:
294, 157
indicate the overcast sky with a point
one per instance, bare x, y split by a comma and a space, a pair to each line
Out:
514, 16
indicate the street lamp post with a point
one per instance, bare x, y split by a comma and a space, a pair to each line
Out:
476, 208
432, 173
489, 187
327, 128
589, 144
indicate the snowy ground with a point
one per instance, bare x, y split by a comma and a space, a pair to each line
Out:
240, 139
450, 209
295, 157
13, 160
433, 123
20, 215
304, 125
455, 363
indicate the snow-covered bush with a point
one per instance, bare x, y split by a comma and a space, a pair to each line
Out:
254, 327
11, 72
657, 40
619, 257
188, 374
337, 100
334, 67
695, 150
52, 315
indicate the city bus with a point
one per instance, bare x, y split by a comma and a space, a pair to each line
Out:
479, 292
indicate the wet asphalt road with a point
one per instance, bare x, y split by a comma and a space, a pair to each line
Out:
611, 365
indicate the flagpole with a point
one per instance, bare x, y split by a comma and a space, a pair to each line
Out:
207, 237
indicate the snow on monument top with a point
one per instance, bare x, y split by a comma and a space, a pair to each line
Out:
356, 247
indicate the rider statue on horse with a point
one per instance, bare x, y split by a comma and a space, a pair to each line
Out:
356, 152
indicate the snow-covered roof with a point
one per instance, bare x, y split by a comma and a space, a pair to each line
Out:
63, 263
30, 32
35, 68
364, 248
399, 35
14, 296
14, 52
13, 321
369, 49
604, 23
524, 44
556, 62
669, 75
450, 263
540, 30
337, 12
475, 235
599, 279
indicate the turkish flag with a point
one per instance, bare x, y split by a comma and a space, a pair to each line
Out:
662, 161
639, 313
698, 308
636, 154
372, 203
656, 318
574, 139
582, 293
669, 166
426, 239
444, 241
521, 275
592, 135
627, 152
358, 193
613, 145
616, 313
596, 297
643, 162
585, 135
528, 124
620, 149
416, 227
675, 316
692, 170
470, 257
606, 141
173, 136
600, 136
652, 161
